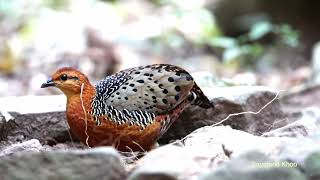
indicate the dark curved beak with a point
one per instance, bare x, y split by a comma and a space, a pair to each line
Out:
49, 83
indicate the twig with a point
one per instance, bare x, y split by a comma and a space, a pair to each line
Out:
85, 116
134, 142
249, 112
236, 114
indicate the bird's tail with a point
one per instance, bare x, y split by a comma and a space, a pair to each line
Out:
198, 98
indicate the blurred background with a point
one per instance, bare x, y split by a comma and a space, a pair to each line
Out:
223, 42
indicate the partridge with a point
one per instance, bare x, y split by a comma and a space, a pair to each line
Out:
129, 110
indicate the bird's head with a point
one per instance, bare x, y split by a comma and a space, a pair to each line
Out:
68, 80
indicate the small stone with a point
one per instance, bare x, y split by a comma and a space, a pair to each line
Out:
307, 124
32, 145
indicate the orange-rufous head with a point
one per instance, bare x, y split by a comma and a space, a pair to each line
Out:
68, 80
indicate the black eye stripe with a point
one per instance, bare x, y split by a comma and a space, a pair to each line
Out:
73, 77
64, 77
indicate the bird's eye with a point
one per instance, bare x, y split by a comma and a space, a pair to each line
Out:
63, 77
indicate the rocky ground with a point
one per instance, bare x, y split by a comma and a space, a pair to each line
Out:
253, 132
277, 141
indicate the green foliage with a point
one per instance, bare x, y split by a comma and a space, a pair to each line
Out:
194, 26
288, 35
169, 39
197, 26
56, 4
259, 30
8, 8
246, 49
110, 1
160, 2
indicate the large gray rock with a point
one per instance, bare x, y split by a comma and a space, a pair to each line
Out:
219, 139
34, 117
203, 151
175, 162
238, 142
97, 163
253, 166
228, 100
50, 127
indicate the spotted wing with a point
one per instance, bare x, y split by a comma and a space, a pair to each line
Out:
142, 91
